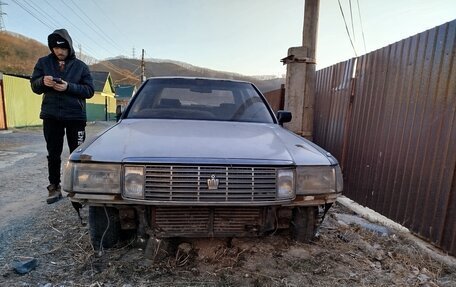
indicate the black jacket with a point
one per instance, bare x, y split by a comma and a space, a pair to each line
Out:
70, 104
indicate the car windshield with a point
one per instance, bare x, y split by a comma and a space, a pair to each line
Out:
199, 99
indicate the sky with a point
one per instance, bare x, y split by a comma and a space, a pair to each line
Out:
248, 37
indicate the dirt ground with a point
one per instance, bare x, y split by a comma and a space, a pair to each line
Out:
343, 254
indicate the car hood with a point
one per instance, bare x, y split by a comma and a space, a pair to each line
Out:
188, 141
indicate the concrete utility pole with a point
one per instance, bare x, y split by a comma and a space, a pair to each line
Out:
300, 81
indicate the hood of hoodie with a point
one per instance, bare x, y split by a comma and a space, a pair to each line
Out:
61, 33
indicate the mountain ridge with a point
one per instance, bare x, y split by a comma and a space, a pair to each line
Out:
18, 55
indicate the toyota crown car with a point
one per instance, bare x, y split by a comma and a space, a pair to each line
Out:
199, 157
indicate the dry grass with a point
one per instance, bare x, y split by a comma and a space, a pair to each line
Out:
342, 256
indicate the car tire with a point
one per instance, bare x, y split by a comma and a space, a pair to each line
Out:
304, 223
104, 225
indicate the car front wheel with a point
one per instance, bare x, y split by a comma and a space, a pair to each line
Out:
104, 226
304, 223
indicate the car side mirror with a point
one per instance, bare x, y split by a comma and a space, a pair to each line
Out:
118, 112
283, 117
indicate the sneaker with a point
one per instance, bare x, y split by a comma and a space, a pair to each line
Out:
55, 193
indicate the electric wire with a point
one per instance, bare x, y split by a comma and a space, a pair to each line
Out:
45, 15
117, 70
362, 30
33, 15
85, 33
56, 24
100, 33
42, 12
346, 28
100, 249
112, 23
75, 38
351, 18
50, 21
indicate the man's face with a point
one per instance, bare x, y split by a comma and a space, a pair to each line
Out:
61, 53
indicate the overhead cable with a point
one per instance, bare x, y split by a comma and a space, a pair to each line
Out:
346, 28
362, 30
32, 14
101, 33
351, 18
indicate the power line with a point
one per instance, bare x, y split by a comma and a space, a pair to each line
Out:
351, 18
42, 12
116, 69
44, 15
362, 30
33, 15
84, 33
100, 33
88, 48
49, 20
78, 27
346, 28
113, 23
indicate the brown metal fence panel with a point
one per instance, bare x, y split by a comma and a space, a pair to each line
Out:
333, 96
394, 130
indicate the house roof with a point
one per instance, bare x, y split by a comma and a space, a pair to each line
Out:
125, 91
99, 80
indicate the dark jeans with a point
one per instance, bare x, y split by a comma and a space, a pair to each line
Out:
54, 131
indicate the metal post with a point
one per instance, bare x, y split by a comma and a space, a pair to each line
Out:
2, 24
143, 67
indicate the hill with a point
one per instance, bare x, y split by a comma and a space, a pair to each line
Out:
18, 55
128, 71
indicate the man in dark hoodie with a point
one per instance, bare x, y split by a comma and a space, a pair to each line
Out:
65, 83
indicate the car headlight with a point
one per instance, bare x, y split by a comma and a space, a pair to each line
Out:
318, 179
285, 184
91, 178
134, 181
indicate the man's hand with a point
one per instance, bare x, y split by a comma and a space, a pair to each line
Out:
61, 87
49, 82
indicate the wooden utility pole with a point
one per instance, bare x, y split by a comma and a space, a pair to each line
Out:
300, 82
143, 68
80, 51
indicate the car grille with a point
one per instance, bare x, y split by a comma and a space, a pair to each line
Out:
204, 221
190, 183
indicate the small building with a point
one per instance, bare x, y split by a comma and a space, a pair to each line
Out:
102, 106
124, 94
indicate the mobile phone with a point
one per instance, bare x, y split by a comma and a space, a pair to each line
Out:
57, 80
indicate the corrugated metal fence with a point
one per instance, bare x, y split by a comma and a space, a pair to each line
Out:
390, 118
